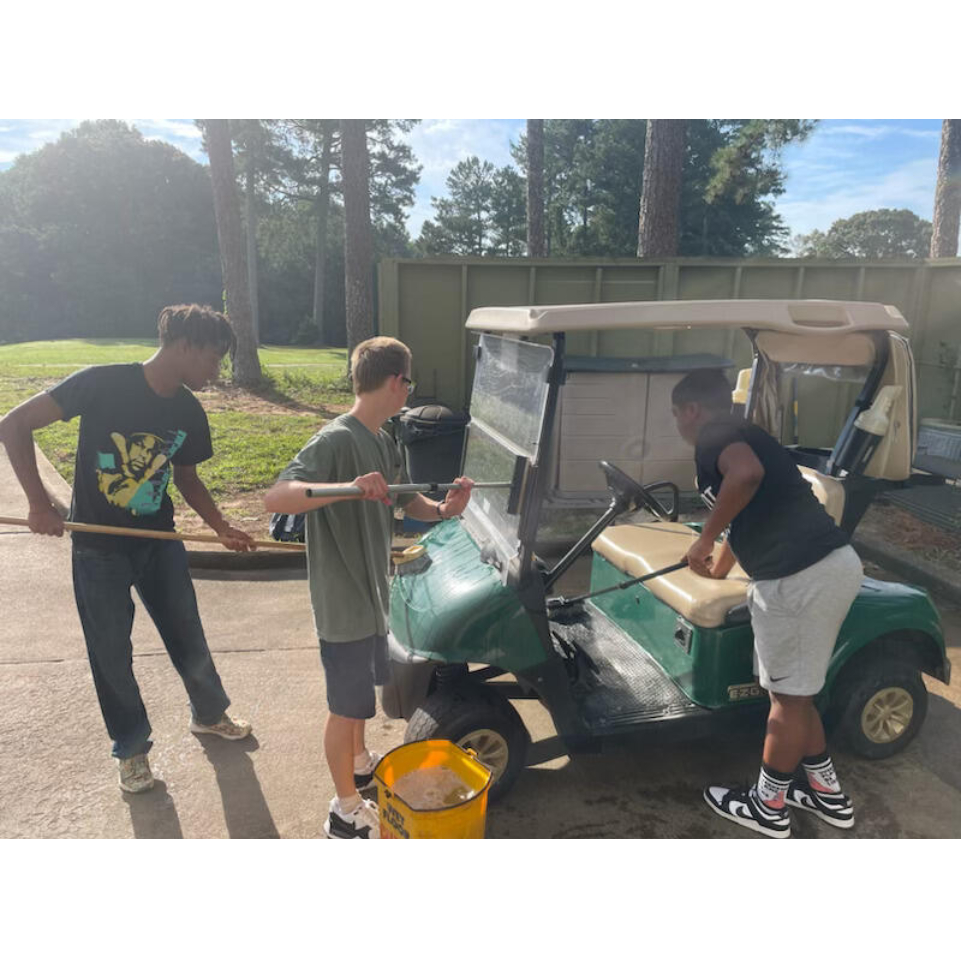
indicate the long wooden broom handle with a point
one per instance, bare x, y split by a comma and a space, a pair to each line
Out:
154, 534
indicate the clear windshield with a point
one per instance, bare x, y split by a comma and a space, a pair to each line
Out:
507, 410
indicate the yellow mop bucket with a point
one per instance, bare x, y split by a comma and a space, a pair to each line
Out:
454, 816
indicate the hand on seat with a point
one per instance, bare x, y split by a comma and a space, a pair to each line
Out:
701, 559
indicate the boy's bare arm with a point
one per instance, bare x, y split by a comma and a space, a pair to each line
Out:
723, 562
198, 497
16, 433
453, 505
743, 473
290, 495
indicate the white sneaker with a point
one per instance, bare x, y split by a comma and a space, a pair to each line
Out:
362, 822
227, 727
363, 777
135, 774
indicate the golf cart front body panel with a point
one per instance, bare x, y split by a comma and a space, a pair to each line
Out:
459, 610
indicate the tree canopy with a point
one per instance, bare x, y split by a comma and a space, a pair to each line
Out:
872, 234
99, 231
592, 181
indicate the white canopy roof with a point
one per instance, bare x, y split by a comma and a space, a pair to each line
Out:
797, 316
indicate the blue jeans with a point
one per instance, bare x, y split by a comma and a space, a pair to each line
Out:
157, 569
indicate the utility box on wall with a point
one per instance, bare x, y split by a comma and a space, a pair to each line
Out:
620, 410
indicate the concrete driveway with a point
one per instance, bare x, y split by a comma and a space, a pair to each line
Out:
57, 779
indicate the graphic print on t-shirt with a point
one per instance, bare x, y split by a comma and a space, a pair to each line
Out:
134, 474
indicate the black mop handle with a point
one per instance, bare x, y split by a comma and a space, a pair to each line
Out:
558, 602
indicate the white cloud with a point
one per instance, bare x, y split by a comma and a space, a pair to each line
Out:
175, 128
875, 132
8, 156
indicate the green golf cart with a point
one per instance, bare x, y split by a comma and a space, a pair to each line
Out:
474, 624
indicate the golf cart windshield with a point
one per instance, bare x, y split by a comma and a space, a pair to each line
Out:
507, 413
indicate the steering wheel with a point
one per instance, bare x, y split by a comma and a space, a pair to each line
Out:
631, 494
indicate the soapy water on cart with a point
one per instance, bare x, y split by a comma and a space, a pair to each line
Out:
426, 789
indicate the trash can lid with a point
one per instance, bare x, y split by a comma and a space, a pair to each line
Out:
435, 413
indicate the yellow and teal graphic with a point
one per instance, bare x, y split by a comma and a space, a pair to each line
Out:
135, 475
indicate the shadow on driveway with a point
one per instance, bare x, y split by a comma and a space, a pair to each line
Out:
245, 809
153, 814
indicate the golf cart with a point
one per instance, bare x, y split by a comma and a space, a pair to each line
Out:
474, 624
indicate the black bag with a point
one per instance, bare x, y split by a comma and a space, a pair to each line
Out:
286, 528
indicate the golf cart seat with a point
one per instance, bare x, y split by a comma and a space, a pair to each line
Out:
827, 490
639, 549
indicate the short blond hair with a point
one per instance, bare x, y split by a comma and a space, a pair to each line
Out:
375, 360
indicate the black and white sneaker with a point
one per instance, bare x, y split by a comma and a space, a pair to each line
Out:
835, 808
362, 822
742, 805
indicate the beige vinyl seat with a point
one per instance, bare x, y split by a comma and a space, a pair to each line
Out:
639, 549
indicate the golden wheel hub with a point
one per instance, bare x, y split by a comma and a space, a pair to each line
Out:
491, 749
887, 715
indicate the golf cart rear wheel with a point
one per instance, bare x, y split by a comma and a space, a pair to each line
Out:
480, 720
884, 709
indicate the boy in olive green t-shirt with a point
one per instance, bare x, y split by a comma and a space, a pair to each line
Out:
348, 562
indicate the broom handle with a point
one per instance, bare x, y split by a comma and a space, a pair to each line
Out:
154, 534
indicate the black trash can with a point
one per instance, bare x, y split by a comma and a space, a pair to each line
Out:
433, 439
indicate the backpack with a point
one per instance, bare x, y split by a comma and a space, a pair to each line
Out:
286, 528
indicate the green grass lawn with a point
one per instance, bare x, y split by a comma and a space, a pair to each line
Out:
255, 433
88, 352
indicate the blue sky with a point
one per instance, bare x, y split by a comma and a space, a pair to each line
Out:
846, 166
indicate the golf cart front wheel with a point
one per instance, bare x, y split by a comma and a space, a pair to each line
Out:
884, 710
480, 720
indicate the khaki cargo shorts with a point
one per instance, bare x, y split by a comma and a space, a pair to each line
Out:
796, 621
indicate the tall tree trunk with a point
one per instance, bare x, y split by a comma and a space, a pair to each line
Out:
358, 246
947, 195
230, 236
535, 188
658, 230
320, 259
251, 202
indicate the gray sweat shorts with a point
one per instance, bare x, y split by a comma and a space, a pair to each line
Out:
351, 670
796, 621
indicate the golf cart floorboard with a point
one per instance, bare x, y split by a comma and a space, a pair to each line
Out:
619, 685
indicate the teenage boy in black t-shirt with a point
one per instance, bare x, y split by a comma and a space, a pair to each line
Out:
804, 578
136, 422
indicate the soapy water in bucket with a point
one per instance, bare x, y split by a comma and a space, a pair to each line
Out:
425, 789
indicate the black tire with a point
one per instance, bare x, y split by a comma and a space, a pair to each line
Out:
477, 718
890, 688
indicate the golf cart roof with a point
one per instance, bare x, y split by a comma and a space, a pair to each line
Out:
796, 316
